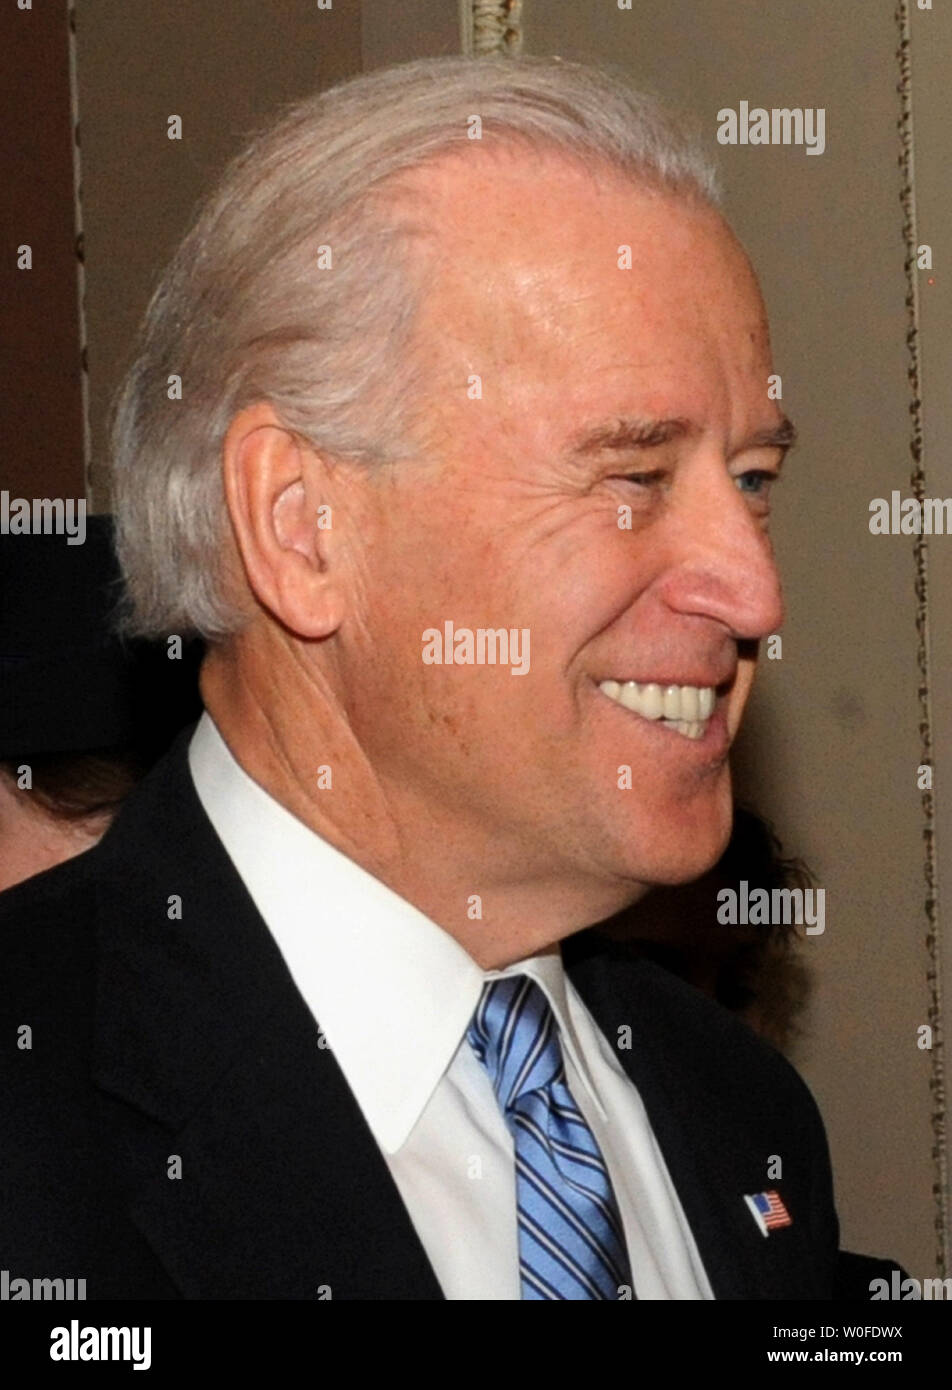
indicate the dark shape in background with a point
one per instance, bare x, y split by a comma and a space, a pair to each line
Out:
753, 970
88, 711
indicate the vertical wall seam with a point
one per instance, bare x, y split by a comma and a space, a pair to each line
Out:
466, 28
917, 483
80, 243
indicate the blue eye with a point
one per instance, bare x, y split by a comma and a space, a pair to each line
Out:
759, 482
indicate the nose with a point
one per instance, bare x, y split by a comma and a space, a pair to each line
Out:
723, 563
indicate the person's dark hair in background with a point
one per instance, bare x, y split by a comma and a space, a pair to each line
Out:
754, 971
77, 787
83, 715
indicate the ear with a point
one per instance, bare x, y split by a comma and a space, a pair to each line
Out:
275, 484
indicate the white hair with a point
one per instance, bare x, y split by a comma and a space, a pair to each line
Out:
243, 314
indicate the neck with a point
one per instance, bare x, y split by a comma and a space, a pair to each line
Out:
454, 876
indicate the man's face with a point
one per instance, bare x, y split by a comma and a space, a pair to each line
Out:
537, 506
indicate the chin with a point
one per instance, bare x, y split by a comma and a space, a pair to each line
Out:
679, 847
686, 868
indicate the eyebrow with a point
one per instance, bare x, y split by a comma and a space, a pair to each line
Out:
621, 436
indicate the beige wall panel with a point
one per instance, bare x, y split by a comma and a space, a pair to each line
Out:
397, 32
831, 749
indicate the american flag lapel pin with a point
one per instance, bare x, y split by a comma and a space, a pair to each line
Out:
768, 1211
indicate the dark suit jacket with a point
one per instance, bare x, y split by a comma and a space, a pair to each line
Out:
155, 1038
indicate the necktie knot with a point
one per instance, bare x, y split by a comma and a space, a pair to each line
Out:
514, 1035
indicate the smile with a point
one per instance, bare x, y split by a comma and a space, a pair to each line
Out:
683, 708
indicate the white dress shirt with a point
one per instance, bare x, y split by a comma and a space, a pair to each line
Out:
393, 995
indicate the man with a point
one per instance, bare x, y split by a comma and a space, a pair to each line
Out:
468, 488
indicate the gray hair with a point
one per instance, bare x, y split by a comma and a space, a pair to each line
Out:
243, 314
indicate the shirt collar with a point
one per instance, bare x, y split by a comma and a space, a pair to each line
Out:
392, 992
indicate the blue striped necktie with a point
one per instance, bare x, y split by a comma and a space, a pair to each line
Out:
571, 1243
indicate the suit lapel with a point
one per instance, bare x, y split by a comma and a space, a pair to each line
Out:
713, 1154
250, 1170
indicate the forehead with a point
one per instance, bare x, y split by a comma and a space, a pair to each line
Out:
530, 256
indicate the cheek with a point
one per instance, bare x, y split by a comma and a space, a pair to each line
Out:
578, 583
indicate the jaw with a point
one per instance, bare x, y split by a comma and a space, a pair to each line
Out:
659, 805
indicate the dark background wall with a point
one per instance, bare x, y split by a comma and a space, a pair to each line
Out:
41, 413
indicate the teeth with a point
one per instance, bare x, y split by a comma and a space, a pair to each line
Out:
689, 728
683, 708
645, 700
690, 703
